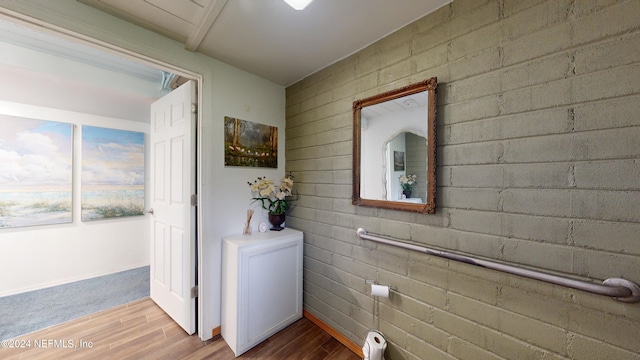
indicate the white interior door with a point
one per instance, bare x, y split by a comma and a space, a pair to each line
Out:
173, 231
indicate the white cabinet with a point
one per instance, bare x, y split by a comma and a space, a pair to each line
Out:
261, 286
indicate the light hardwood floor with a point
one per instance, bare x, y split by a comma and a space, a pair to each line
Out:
141, 330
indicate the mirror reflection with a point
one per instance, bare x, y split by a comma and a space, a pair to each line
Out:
394, 149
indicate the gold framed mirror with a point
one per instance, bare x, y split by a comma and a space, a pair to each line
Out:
394, 149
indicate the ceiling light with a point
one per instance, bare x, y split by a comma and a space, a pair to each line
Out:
298, 4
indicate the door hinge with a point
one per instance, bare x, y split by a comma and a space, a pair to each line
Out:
194, 200
194, 292
194, 108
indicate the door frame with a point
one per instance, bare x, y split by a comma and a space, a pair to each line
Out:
85, 40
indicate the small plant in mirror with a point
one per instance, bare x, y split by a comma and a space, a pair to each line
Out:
274, 199
407, 181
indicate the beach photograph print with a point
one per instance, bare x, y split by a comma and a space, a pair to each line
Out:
36, 172
112, 173
250, 144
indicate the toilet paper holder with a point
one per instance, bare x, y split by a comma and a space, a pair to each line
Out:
373, 282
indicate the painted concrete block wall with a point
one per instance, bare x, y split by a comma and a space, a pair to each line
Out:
538, 165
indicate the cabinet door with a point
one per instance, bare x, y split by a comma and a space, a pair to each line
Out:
271, 290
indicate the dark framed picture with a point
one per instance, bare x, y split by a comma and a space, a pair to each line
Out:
398, 161
250, 144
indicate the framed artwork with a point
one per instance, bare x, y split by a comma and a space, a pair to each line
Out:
398, 161
36, 172
112, 173
250, 144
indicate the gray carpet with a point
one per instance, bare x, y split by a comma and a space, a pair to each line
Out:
25, 313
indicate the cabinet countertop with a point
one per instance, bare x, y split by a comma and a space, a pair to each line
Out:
258, 237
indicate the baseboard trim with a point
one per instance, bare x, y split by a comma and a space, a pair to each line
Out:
334, 333
216, 331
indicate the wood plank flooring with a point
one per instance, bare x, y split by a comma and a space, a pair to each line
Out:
141, 330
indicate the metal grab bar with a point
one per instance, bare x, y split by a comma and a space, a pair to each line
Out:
620, 289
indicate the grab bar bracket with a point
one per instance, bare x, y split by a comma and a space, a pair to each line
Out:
633, 287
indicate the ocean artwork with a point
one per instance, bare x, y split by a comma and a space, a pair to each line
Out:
250, 144
112, 173
36, 172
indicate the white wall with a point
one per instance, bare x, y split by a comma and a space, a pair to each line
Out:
41, 256
224, 91
48, 87
225, 195
262, 103
42, 79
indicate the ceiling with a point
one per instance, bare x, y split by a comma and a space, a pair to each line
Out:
267, 37
405, 103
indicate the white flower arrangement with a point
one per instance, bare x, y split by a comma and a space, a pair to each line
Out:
273, 199
407, 181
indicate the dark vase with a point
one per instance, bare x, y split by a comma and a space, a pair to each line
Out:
276, 220
407, 193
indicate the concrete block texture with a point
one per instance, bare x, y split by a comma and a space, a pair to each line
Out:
538, 165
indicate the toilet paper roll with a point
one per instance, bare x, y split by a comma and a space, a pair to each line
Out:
374, 346
380, 290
